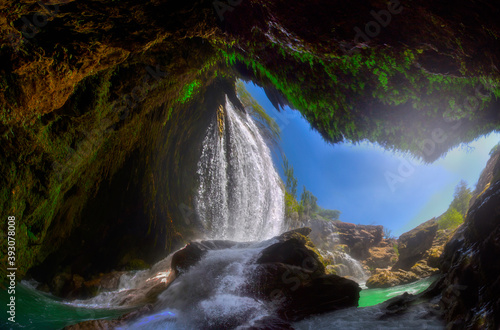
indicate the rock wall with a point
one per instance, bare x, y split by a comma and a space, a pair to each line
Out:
471, 287
413, 244
359, 238
364, 243
419, 252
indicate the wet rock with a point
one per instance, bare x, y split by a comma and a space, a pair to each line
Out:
423, 306
194, 251
60, 283
69, 286
111, 324
105, 282
300, 292
292, 274
423, 262
268, 323
146, 294
293, 252
471, 288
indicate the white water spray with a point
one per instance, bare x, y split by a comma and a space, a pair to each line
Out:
240, 196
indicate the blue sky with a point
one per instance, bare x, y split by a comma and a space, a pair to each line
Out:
354, 178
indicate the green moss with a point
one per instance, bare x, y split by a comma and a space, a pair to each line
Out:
189, 90
375, 79
395, 248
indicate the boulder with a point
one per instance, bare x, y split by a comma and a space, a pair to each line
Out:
293, 252
413, 244
301, 292
194, 251
292, 274
289, 275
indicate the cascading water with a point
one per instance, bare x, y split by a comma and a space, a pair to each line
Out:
348, 266
212, 295
240, 196
325, 236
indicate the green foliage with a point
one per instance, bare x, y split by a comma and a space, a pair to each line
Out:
387, 233
308, 202
395, 248
188, 91
328, 214
458, 208
450, 219
461, 198
291, 205
291, 180
378, 95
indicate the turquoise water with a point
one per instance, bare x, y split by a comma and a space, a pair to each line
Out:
40, 311
370, 297
37, 310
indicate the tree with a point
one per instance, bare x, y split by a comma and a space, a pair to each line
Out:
387, 233
461, 198
458, 208
291, 180
308, 201
329, 214
450, 219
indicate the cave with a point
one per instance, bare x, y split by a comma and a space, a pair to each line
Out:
151, 156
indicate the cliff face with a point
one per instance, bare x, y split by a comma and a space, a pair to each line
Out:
359, 238
364, 243
413, 244
419, 252
471, 288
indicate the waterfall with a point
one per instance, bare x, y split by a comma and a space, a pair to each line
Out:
348, 266
325, 235
240, 195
